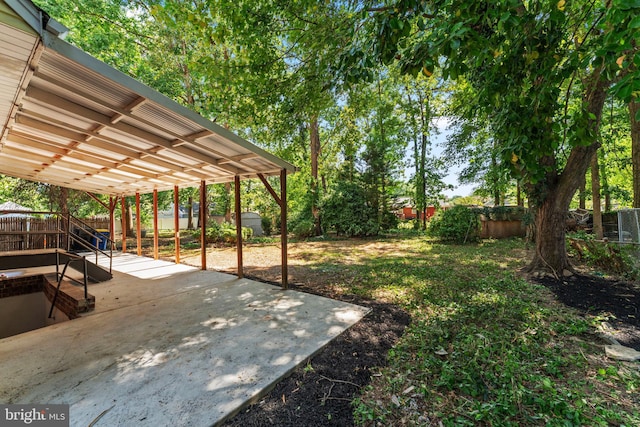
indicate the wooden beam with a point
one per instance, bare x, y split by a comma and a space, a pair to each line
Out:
203, 225
73, 151
270, 189
178, 139
238, 226
192, 137
282, 202
94, 197
176, 221
126, 128
123, 220
133, 105
68, 171
283, 228
114, 168
104, 143
138, 225
238, 159
94, 138
156, 236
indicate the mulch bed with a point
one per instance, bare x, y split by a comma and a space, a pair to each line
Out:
617, 301
320, 392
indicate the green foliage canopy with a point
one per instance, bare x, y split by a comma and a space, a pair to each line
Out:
519, 56
347, 211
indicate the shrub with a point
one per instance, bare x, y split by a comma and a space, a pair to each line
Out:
267, 225
224, 233
347, 212
304, 229
389, 221
503, 213
301, 223
612, 257
407, 225
458, 224
247, 233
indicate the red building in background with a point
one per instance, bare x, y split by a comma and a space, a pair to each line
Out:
408, 212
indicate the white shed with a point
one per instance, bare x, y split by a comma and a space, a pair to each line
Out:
253, 221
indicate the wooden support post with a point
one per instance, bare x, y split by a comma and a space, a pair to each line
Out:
123, 222
282, 202
238, 226
203, 224
283, 228
176, 221
138, 225
156, 236
113, 202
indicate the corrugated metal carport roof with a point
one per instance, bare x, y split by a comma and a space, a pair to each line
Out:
70, 120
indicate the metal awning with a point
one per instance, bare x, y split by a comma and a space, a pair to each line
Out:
70, 120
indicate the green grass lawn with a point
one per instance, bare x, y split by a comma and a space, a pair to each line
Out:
485, 347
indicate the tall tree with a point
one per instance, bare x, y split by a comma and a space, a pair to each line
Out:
634, 116
474, 147
519, 55
420, 109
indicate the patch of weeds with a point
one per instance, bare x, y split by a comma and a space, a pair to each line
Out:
485, 347
364, 413
191, 245
264, 240
570, 326
612, 257
308, 367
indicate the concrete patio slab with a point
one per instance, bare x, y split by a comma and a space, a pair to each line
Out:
169, 345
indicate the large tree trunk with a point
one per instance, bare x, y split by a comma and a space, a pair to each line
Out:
595, 190
551, 253
424, 140
496, 186
634, 107
190, 213
127, 219
519, 199
227, 209
583, 193
315, 155
604, 180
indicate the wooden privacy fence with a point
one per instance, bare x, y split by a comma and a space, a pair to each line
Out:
97, 223
19, 233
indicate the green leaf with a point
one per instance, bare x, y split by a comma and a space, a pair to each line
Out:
395, 24
627, 4
635, 23
637, 114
